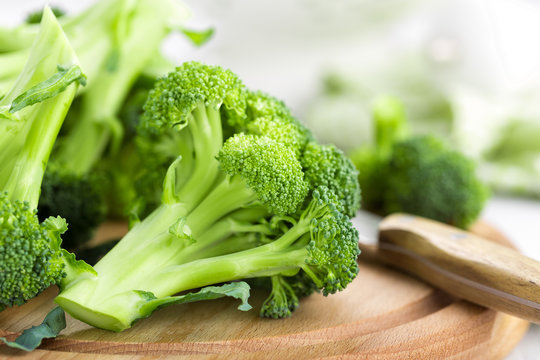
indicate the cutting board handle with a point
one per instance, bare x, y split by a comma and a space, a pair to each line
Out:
463, 264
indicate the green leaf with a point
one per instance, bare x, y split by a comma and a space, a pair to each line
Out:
181, 231
30, 339
197, 37
238, 290
49, 88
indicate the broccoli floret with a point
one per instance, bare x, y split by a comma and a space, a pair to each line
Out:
214, 223
326, 165
270, 117
30, 117
427, 179
417, 175
78, 198
282, 300
30, 257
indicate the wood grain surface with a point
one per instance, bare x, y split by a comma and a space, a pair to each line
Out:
383, 314
463, 264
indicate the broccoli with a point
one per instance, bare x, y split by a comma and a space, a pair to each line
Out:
79, 199
31, 115
418, 175
116, 40
235, 205
35, 17
282, 300
427, 179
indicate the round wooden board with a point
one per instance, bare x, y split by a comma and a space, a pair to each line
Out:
383, 314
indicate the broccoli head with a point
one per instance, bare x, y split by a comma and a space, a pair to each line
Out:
30, 255
416, 174
427, 179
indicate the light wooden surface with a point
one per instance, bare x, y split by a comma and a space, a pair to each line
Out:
383, 314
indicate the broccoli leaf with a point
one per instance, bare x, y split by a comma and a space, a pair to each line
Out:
30, 339
49, 88
197, 37
238, 290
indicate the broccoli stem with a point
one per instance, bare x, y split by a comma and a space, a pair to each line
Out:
224, 246
32, 159
128, 277
41, 122
265, 261
141, 237
215, 241
230, 194
207, 134
124, 55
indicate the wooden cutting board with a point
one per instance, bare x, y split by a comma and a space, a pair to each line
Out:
383, 314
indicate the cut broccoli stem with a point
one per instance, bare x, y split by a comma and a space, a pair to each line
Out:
261, 261
141, 235
92, 300
151, 263
30, 162
34, 141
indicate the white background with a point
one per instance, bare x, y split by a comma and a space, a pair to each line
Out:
282, 47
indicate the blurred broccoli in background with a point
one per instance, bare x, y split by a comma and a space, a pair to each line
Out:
500, 136
416, 174
512, 164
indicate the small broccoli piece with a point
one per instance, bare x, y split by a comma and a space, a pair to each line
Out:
417, 175
282, 300
30, 256
30, 118
78, 199
326, 165
427, 179
270, 117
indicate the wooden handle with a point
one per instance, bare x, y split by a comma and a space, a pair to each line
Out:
464, 265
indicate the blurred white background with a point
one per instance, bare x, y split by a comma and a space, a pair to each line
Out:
483, 57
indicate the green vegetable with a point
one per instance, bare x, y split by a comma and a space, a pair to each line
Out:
35, 17
31, 115
235, 204
31, 338
511, 164
116, 40
417, 175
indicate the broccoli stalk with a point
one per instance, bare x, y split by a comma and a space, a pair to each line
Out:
322, 243
31, 115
